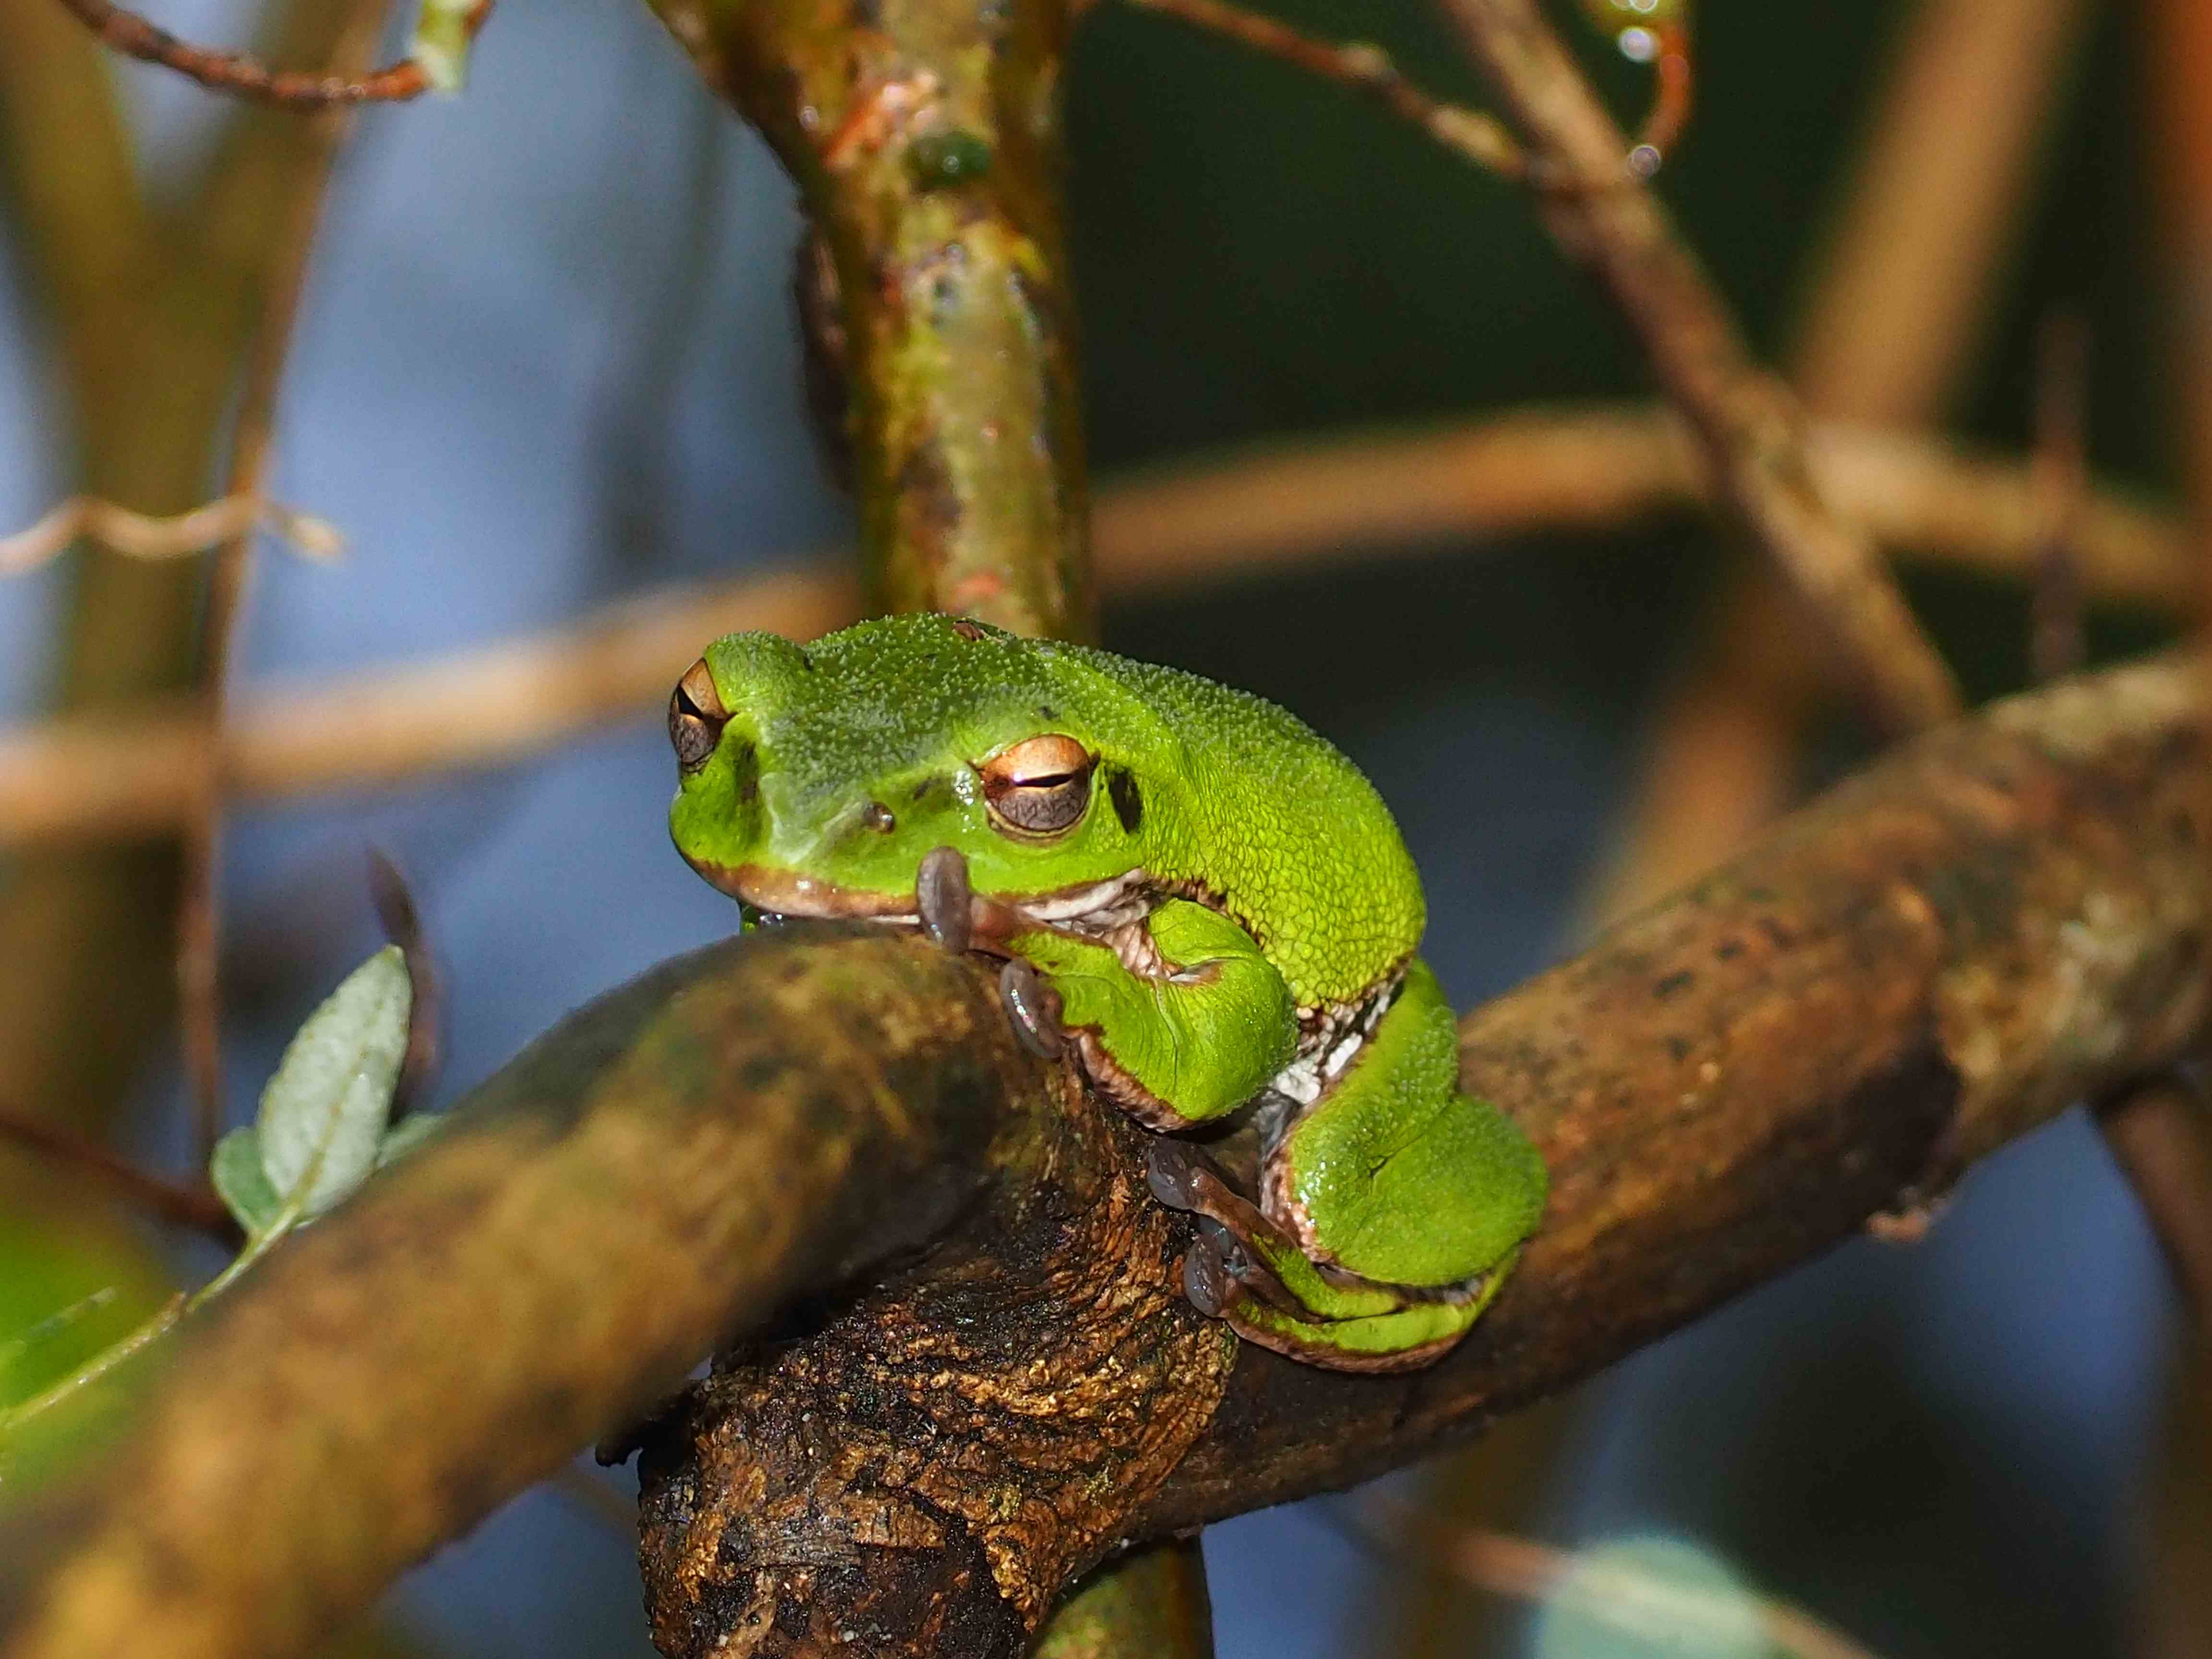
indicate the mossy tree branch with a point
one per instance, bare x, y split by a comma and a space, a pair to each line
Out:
2004, 917
925, 136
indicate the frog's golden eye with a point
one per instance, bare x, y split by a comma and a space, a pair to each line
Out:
1040, 786
695, 717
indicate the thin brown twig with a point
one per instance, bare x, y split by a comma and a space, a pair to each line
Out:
199, 983
403, 926
1896, 305
1751, 429
2062, 477
2159, 1135
240, 74
193, 1206
153, 536
1361, 66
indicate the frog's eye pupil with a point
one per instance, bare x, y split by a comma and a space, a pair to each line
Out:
695, 717
1040, 786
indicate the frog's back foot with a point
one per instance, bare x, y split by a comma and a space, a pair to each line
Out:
1404, 1339
1394, 1177
1032, 1008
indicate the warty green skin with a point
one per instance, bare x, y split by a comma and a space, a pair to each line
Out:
1276, 889
1238, 796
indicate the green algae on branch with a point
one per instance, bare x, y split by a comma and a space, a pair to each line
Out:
924, 138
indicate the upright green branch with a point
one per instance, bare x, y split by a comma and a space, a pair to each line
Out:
925, 136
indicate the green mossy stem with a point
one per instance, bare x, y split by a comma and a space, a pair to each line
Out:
958, 334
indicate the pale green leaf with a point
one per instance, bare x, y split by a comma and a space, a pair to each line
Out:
324, 1112
241, 1182
407, 1135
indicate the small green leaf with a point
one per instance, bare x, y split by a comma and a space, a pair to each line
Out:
242, 1182
324, 1112
441, 43
408, 1134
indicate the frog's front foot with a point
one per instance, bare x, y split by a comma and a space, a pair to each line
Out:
943, 900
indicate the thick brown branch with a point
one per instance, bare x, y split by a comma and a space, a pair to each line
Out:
1745, 419
2006, 917
668, 1165
1937, 957
1298, 506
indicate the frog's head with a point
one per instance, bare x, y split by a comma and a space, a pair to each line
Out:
814, 781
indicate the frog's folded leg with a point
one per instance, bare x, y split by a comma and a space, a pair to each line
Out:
1203, 1022
1393, 1175
1391, 1207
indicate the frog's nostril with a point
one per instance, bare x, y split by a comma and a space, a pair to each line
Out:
695, 717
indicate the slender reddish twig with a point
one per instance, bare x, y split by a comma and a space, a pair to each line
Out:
2159, 1135
1363, 68
2062, 479
243, 76
403, 926
184, 1207
1669, 115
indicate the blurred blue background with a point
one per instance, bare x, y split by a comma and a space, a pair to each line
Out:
547, 355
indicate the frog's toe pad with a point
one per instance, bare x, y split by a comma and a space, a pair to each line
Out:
1403, 1342
1207, 1280
942, 899
1033, 1007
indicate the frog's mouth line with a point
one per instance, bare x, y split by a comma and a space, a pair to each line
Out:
1092, 908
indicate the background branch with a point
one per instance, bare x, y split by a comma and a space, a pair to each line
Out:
1934, 958
1895, 314
1299, 505
1746, 421
141, 297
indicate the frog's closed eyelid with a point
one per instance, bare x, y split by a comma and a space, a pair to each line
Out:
695, 717
1040, 786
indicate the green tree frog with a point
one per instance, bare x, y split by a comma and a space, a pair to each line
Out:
1194, 898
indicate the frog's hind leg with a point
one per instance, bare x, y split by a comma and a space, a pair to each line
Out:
1242, 1269
1391, 1206
1395, 1177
